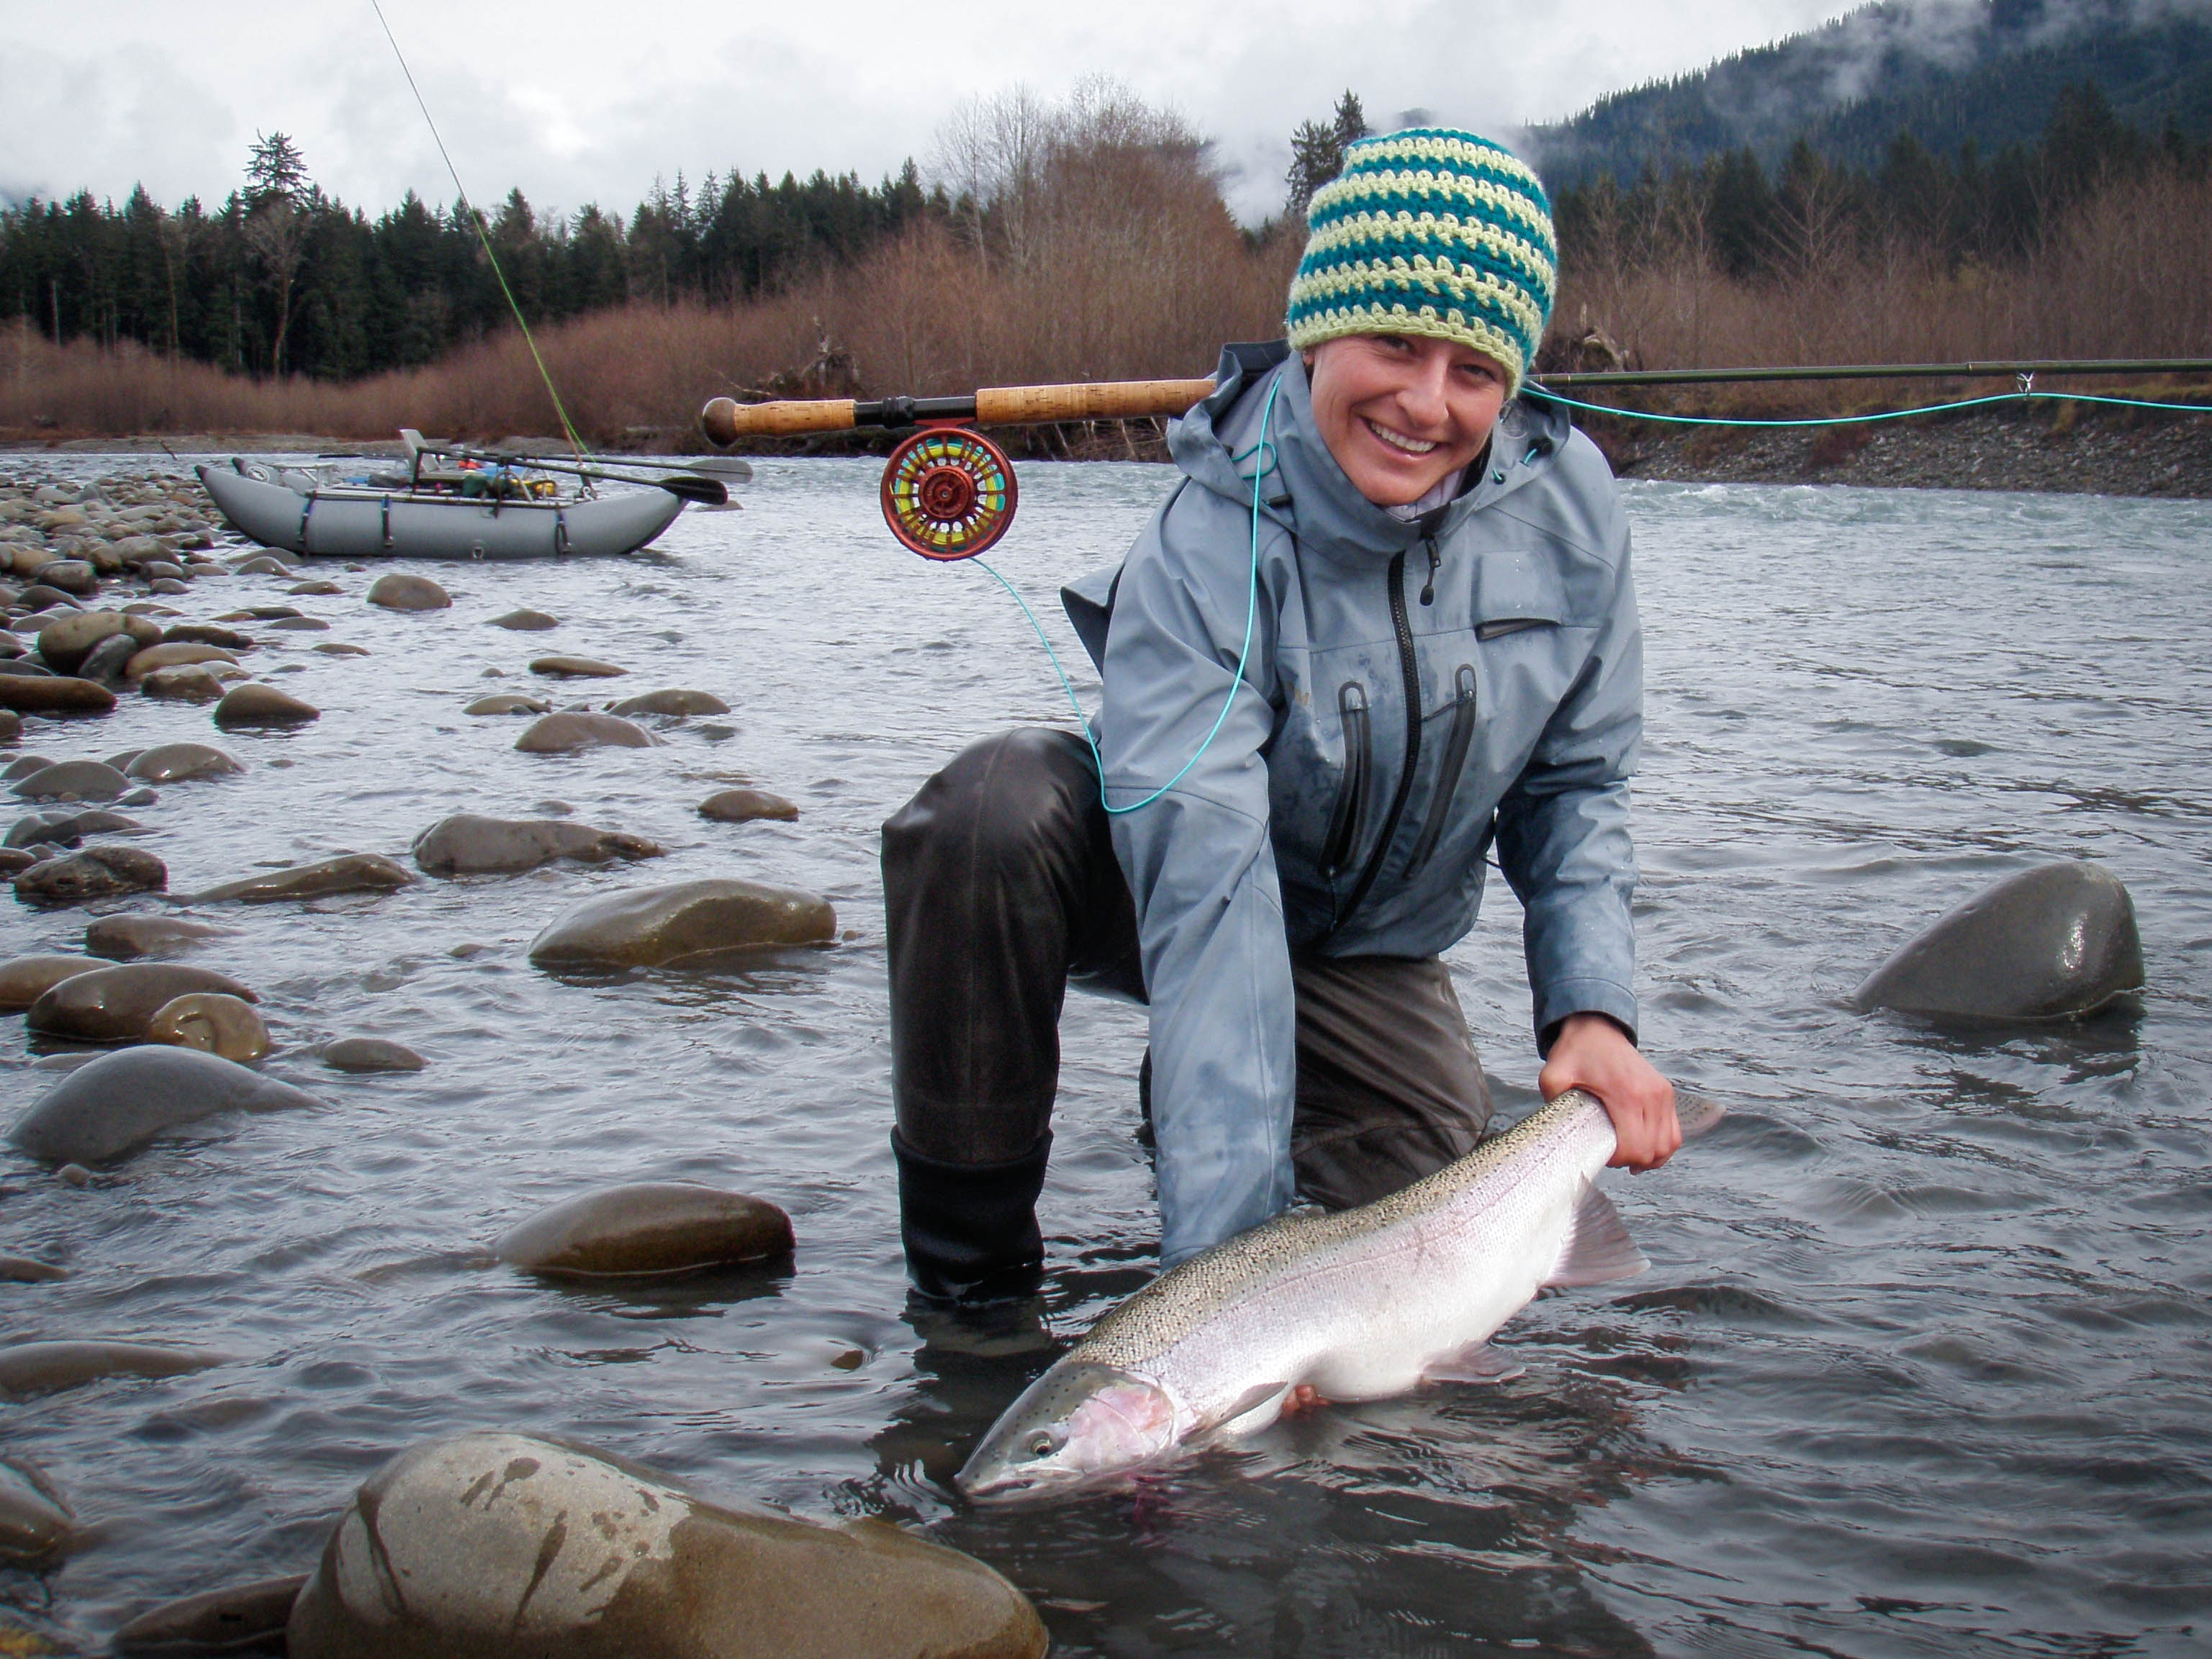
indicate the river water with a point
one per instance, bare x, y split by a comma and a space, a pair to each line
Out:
1923, 1364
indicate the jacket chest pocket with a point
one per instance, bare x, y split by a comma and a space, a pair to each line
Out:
1356, 787
1458, 738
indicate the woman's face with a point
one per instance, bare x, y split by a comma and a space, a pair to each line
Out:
1402, 412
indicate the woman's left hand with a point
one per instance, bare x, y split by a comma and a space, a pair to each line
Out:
1593, 1054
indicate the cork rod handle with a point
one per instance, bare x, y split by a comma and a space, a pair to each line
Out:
728, 420
1022, 406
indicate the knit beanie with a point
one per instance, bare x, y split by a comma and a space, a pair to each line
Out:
1431, 232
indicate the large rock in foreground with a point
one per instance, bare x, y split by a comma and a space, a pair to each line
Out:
650, 1228
119, 1102
651, 927
490, 1545
2043, 944
468, 845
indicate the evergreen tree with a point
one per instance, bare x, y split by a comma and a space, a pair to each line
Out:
1317, 151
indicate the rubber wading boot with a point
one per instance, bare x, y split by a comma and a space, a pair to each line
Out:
970, 1230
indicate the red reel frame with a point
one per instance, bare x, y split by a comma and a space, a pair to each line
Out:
948, 492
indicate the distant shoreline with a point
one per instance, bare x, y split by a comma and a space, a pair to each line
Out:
2111, 453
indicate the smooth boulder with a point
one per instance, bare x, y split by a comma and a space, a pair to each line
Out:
35, 1368
65, 643
208, 633
96, 872
350, 873
395, 590
256, 704
74, 779
490, 1545
123, 938
526, 621
241, 1619
649, 1228
24, 979
175, 763
212, 1023
59, 695
743, 805
175, 654
370, 1054
508, 703
104, 663
119, 1102
561, 733
576, 668
193, 683
115, 1002
2046, 944
65, 826
676, 703
35, 1523
466, 844
651, 927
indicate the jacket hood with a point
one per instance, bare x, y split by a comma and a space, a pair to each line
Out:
1308, 494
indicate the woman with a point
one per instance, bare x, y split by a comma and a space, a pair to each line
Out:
1423, 577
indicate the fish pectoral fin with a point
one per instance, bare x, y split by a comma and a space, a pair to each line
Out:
1697, 1114
1597, 1248
1258, 1407
1477, 1363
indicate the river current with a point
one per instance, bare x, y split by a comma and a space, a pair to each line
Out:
1923, 1365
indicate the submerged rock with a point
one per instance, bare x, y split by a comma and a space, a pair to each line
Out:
113, 1002
576, 668
208, 633
2042, 944
649, 927
212, 1023
558, 734
489, 1545
175, 654
64, 826
192, 683
22, 1270
75, 780
104, 662
174, 762
467, 845
122, 938
370, 1054
119, 1102
95, 872
507, 703
671, 702
350, 873
31, 1368
653, 1227
55, 694
24, 979
35, 1524
526, 621
395, 590
256, 704
242, 1619
743, 805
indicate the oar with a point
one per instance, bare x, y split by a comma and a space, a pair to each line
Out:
684, 486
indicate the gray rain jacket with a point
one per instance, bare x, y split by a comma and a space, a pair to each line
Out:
1423, 687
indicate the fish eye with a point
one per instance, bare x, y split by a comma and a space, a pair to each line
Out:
1041, 1444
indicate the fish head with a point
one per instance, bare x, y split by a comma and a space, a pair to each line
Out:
1078, 1422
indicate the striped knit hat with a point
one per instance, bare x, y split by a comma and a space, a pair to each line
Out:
1429, 231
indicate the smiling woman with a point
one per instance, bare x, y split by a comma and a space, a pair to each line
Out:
1404, 416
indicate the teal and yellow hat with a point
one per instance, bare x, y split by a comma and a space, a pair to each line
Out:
1431, 232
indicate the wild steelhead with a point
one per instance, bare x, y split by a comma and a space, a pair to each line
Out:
1357, 1305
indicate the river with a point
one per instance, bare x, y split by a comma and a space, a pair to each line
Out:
1924, 1362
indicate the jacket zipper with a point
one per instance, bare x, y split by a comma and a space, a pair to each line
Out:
1352, 797
1455, 748
1409, 666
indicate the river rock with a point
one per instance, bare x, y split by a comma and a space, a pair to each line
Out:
11, 726
119, 1102
653, 1227
64, 826
97, 872
105, 663
66, 643
478, 1546
22, 1270
526, 621
75, 576
32, 1368
190, 684
467, 845
507, 703
256, 704
115, 1002
35, 1523
2045, 943
576, 668
243, 1618
671, 702
24, 668
24, 979
573, 729
314, 587
175, 654
300, 625
13, 860
213, 1023
350, 873
229, 639
123, 938
76, 780
743, 805
370, 1054
59, 694
263, 564
650, 927
395, 590
37, 597
174, 762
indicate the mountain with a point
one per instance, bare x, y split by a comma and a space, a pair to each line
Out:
1945, 70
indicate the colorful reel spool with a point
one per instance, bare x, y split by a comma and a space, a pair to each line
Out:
948, 493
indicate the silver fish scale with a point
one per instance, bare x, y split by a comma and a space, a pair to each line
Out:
1307, 1244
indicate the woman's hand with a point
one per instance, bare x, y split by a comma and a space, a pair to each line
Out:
1593, 1054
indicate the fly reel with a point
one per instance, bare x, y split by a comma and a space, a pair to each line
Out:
949, 492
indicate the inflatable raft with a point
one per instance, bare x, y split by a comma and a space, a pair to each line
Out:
308, 510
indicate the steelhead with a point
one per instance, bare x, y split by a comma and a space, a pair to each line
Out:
1360, 1304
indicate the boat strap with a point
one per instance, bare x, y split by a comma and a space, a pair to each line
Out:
560, 533
307, 511
387, 524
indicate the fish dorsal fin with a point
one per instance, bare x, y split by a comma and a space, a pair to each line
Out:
1598, 1249
1254, 1411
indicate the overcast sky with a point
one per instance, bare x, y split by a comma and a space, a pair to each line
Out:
588, 100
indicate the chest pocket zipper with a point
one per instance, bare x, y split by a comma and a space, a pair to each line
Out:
1352, 794
1447, 774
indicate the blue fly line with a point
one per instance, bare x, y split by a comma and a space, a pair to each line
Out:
2025, 395
1263, 455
